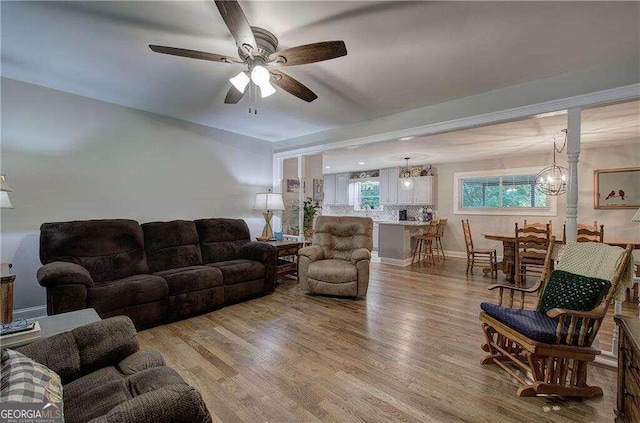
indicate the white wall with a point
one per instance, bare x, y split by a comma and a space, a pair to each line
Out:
617, 223
73, 158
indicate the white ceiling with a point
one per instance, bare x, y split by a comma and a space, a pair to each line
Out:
402, 55
615, 124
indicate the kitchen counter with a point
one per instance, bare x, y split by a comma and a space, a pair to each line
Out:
395, 245
403, 222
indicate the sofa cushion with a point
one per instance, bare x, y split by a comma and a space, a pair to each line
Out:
333, 271
109, 249
102, 376
94, 400
153, 379
133, 290
140, 360
171, 244
340, 236
193, 278
221, 239
240, 270
24, 380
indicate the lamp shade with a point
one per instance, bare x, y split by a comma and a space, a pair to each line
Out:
3, 183
636, 217
268, 201
5, 201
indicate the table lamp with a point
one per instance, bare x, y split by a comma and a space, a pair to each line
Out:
268, 202
636, 217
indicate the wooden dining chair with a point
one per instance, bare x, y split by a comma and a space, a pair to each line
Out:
484, 257
423, 249
539, 225
531, 245
437, 242
586, 233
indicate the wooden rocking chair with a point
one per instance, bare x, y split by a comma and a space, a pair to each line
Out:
547, 349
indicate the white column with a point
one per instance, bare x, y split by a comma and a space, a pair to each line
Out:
573, 151
301, 196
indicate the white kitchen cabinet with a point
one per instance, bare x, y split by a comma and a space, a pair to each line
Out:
389, 186
342, 189
336, 189
421, 194
423, 190
329, 189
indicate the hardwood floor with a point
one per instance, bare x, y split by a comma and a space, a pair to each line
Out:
409, 352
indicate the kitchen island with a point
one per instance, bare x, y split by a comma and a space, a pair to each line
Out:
394, 241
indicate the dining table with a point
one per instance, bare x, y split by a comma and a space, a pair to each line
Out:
508, 240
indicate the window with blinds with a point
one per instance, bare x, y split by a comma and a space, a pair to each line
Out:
504, 191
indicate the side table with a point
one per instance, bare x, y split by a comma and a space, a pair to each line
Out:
287, 257
64, 322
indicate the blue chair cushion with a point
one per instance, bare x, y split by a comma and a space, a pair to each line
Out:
531, 323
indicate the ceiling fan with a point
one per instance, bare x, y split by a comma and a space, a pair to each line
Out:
257, 49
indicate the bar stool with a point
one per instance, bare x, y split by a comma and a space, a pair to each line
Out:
442, 223
423, 249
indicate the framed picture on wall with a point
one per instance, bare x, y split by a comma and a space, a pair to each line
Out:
616, 188
293, 185
318, 193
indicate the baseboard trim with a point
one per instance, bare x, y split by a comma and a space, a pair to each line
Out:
30, 312
395, 262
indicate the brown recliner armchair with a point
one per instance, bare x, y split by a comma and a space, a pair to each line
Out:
338, 261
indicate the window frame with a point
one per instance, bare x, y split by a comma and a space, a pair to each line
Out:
357, 197
458, 177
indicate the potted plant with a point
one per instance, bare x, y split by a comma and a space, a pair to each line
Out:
310, 209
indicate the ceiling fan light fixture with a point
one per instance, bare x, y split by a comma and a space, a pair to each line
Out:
266, 89
260, 75
240, 81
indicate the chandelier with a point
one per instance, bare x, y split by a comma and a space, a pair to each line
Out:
552, 180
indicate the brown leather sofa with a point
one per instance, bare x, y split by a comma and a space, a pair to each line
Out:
155, 272
337, 262
106, 378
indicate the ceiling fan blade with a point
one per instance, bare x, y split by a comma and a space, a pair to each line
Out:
193, 54
311, 53
233, 96
292, 86
237, 23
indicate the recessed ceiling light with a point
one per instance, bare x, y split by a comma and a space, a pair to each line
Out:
353, 147
327, 167
406, 138
360, 163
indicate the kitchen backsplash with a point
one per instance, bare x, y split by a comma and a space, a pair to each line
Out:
388, 213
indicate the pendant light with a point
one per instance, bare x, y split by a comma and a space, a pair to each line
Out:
406, 183
552, 180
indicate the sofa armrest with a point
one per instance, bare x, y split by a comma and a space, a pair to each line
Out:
85, 349
64, 273
174, 403
312, 252
360, 254
259, 251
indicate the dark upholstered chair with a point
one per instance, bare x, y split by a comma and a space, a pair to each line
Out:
153, 273
337, 263
106, 378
